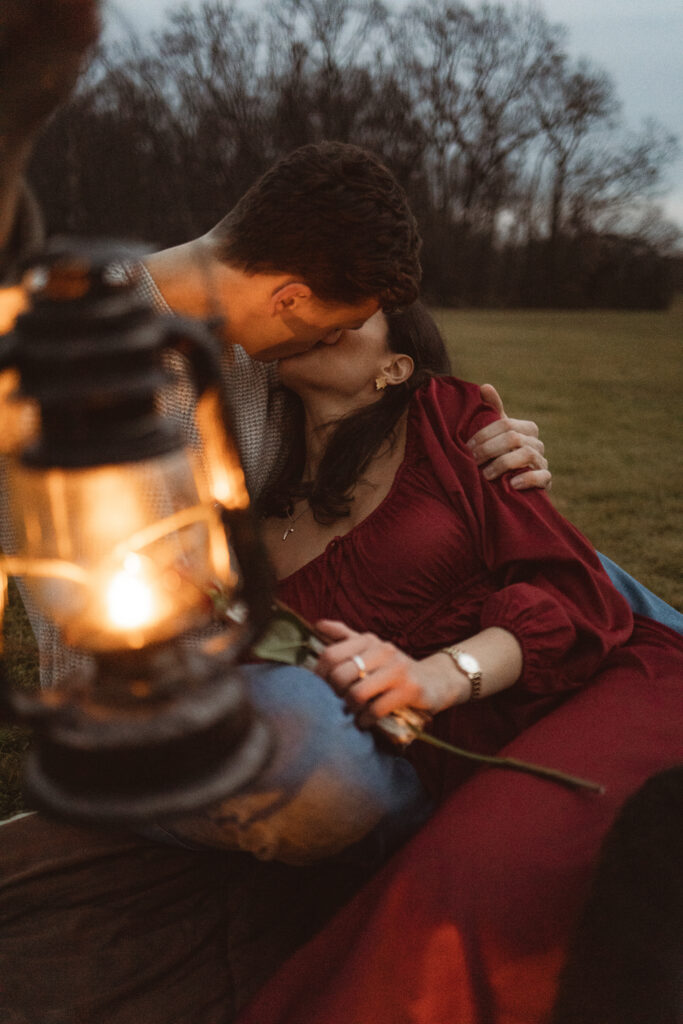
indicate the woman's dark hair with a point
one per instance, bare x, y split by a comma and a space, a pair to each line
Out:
358, 436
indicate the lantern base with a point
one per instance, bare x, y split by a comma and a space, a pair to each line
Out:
140, 747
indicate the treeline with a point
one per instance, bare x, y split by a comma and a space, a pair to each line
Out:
527, 189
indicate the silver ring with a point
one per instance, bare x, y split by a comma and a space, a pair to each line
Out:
360, 665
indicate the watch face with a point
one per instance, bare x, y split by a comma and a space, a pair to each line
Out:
468, 663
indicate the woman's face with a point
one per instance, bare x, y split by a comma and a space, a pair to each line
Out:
345, 367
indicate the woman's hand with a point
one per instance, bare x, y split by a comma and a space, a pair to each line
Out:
510, 444
382, 678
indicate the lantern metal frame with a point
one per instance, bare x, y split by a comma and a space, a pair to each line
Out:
167, 728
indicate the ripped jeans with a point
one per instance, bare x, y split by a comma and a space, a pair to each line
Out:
642, 600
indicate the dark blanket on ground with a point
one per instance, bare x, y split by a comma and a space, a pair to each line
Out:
102, 926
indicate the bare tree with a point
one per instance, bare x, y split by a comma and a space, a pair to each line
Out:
525, 188
472, 74
569, 103
326, 66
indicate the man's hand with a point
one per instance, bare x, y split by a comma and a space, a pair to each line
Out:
43, 46
510, 444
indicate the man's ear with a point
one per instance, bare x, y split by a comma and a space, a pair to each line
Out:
288, 297
399, 369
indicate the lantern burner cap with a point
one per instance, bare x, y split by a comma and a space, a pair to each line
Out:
90, 353
111, 763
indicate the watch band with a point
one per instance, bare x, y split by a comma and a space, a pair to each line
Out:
468, 665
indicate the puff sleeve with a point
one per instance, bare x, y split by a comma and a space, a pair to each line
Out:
553, 594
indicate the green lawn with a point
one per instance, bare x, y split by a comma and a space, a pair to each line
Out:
22, 669
606, 391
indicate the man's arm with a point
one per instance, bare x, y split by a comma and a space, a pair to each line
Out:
510, 444
43, 47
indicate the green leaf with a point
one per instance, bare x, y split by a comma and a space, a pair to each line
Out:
289, 640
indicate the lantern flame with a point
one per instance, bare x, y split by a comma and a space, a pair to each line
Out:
130, 597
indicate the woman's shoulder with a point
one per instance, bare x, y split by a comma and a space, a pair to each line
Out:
456, 404
448, 387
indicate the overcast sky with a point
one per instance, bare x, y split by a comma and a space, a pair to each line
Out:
639, 42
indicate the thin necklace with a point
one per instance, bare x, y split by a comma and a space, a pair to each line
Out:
293, 520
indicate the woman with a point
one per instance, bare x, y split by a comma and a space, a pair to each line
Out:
377, 522
393, 537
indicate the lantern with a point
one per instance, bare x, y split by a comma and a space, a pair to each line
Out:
126, 540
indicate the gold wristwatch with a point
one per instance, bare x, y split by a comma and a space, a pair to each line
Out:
469, 665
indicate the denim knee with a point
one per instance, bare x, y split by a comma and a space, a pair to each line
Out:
326, 787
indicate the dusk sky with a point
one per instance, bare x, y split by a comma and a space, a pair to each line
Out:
639, 42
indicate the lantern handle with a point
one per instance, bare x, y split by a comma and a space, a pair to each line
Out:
194, 340
8, 344
9, 379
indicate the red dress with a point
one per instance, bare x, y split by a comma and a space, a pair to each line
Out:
468, 924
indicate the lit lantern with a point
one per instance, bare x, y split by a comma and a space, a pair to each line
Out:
126, 540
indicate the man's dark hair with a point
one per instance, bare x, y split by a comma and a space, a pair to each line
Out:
333, 215
358, 436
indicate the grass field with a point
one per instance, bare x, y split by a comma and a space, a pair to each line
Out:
606, 389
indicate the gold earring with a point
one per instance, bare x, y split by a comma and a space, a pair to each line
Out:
380, 383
